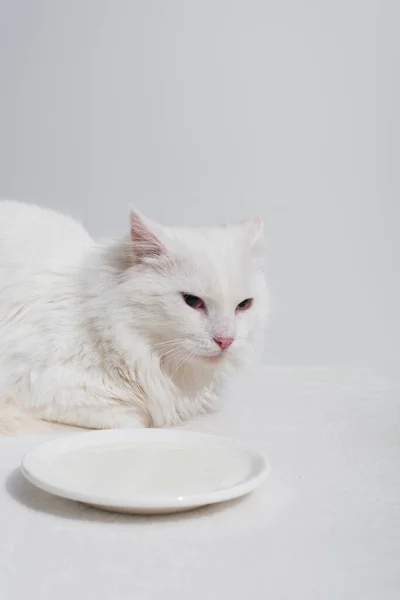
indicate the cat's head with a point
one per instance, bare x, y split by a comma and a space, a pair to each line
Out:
197, 294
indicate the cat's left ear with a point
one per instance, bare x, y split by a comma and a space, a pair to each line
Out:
253, 230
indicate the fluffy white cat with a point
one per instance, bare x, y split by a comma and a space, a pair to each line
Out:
137, 332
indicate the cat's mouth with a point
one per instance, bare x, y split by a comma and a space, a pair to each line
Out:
212, 358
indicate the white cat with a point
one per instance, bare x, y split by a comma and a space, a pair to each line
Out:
138, 332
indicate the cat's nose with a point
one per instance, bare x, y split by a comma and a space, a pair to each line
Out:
224, 342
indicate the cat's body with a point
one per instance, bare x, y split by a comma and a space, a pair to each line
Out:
102, 336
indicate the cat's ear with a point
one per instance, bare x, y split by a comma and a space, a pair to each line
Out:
146, 239
254, 231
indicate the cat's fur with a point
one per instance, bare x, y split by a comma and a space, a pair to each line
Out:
99, 336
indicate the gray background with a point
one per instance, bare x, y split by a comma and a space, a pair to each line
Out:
212, 110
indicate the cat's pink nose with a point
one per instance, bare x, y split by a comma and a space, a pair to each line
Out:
224, 342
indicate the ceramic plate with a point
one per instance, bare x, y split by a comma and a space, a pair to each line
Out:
145, 470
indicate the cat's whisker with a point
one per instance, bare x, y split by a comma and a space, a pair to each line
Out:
186, 359
179, 356
184, 367
157, 346
174, 355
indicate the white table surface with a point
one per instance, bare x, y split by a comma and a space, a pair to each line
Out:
325, 525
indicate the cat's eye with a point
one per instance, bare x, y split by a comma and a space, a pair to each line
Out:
245, 304
194, 301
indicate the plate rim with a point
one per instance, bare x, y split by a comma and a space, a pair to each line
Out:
143, 501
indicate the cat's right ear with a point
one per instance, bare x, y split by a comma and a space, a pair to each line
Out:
146, 243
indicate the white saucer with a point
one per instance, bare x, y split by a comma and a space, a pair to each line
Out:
145, 470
